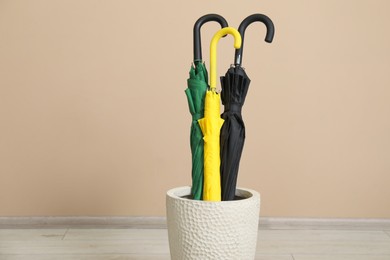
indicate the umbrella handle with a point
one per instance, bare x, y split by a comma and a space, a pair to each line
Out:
245, 23
198, 24
213, 52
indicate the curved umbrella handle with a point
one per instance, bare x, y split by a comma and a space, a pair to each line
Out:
245, 23
198, 24
213, 52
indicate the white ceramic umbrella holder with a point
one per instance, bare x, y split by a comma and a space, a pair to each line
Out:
212, 230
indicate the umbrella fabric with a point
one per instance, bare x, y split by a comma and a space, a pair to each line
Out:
211, 126
196, 90
235, 85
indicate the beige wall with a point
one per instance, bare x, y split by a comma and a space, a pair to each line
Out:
94, 120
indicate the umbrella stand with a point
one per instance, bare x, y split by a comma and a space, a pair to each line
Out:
235, 86
195, 92
212, 122
212, 230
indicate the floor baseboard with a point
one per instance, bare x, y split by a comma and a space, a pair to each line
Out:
83, 222
324, 223
160, 222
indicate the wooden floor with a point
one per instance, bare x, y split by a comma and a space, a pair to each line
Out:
339, 242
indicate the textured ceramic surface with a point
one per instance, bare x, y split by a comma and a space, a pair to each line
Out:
212, 230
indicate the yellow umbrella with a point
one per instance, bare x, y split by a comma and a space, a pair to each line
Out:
212, 122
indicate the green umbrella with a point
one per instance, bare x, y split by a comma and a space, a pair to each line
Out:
196, 89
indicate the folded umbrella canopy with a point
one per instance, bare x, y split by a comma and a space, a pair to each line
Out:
196, 89
212, 122
235, 85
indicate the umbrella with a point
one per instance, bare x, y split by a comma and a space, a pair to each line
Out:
211, 123
197, 86
235, 85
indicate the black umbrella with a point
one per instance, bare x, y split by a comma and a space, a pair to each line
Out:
235, 85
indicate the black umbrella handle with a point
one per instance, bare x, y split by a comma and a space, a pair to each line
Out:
198, 24
245, 23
